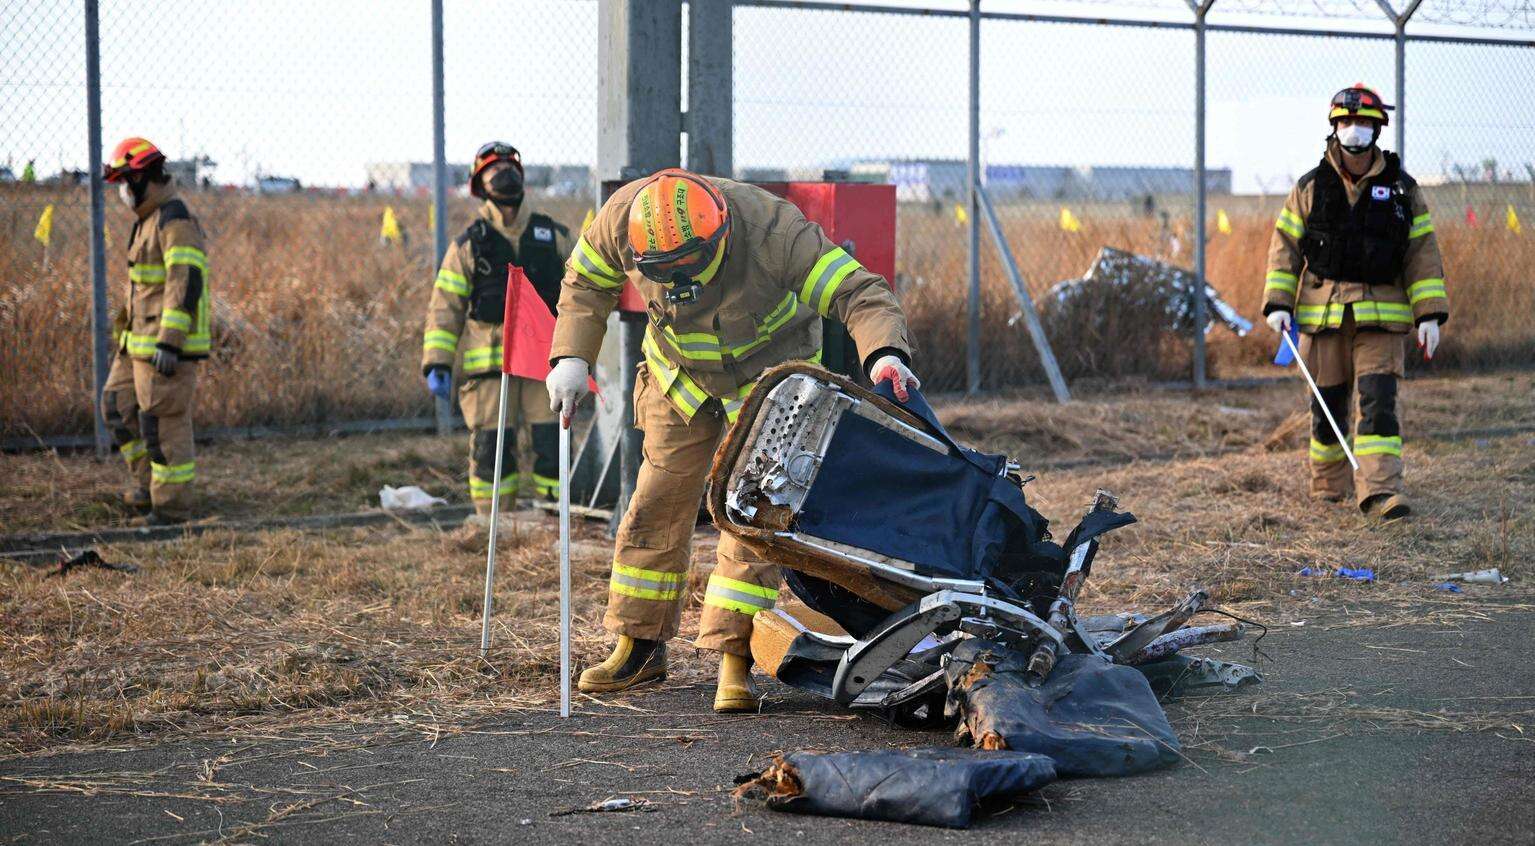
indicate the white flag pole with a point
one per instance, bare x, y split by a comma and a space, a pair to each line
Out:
1317, 392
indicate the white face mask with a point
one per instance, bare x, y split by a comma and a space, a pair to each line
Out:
1356, 137
125, 193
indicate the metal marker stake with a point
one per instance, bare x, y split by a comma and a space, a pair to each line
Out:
1317, 392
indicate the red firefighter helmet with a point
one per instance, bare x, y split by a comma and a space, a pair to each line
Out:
489, 154
1360, 102
133, 155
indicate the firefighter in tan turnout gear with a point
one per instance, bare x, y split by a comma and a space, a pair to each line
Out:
736, 281
1355, 264
466, 311
163, 332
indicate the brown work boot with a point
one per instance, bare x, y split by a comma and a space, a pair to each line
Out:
733, 692
633, 663
137, 498
1385, 506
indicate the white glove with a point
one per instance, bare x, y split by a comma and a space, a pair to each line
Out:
888, 368
1279, 321
1428, 338
566, 384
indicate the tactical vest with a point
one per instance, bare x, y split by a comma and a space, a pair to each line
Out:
490, 252
1366, 242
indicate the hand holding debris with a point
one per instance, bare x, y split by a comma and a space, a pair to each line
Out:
890, 368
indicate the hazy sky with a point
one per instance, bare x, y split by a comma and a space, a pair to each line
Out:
317, 90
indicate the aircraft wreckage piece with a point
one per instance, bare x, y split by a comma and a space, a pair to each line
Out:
926, 589
905, 543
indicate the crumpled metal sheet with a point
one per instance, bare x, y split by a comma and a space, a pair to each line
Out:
1091, 717
933, 786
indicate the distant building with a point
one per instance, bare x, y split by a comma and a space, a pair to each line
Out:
278, 185
934, 180
412, 177
188, 172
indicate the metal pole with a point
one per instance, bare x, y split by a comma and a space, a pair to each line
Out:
973, 346
1401, 86
711, 88
565, 567
1025, 302
1198, 293
495, 518
444, 409
101, 334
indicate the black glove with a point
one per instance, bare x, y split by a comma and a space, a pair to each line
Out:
165, 361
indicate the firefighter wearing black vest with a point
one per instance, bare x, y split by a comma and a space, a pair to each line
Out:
468, 301
1355, 264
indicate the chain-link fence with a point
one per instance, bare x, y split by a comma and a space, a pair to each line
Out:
302, 137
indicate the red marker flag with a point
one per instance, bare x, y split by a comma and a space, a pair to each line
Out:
527, 330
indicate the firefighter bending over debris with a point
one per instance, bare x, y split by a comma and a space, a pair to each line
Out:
1354, 258
163, 331
736, 281
466, 311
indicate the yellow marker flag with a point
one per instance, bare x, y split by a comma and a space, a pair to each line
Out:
1069, 221
587, 221
961, 216
106, 235
1512, 220
1222, 222
44, 230
431, 216
389, 230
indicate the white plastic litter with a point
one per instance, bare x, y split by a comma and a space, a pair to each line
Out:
407, 498
1474, 577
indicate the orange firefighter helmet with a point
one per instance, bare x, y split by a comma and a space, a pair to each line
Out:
677, 227
133, 155
1358, 101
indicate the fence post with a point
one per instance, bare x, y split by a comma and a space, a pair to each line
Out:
1201, 8
710, 86
1399, 21
101, 336
973, 345
443, 408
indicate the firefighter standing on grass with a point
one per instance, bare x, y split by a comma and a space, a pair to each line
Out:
163, 332
736, 281
1355, 261
466, 312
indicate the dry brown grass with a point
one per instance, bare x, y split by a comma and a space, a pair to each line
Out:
244, 633
316, 321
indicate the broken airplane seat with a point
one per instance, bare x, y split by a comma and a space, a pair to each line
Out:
928, 590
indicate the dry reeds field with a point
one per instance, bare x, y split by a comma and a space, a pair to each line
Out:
241, 633
316, 321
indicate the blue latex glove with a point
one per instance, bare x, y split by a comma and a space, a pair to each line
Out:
439, 380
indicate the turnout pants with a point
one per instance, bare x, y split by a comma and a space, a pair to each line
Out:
120, 411
527, 407
655, 539
165, 425
1339, 359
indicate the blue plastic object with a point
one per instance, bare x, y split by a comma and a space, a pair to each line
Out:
1313, 571
439, 380
1283, 357
1358, 574
1448, 586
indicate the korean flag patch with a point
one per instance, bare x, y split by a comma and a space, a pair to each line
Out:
544, 233
1381, 192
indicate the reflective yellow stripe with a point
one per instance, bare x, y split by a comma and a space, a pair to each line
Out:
825, 277
1279, 280
1290, 223
146, 274
736, 595
481, 489
592, 266
173, 474
1421, 225
1378, 445
453, 283
1379, 312
1326, 453
189, 256
1328, 314
441, 339
1425, 289
133, 450
683, 392
645, 584
1339, 111
141, 345
175, 318
480, 358
705, 346
544, 485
